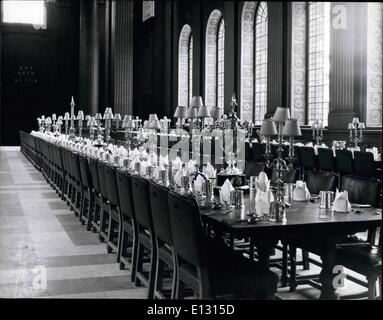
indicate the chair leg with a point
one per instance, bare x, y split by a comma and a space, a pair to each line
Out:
119, 241
139, 263
371, 287
180, 288
293, 268
134, 253
305, 260
284, 265
153, 267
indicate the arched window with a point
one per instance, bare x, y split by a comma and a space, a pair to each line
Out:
185, 66
214, 68
221, 64
318, 61
254, 37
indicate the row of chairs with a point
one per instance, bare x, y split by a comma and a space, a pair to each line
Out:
156, 233
359, 163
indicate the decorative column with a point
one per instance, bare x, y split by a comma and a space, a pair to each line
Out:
122, 56
347, 70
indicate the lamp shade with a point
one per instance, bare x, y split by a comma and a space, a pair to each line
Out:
80, 115
98, 116
108, 110
60, 118
361, 125
292, 128
196, 102
87, 117
181, 112
108, 116
117, 116
355, 120
281, 114
127, 118
152, 117
192, 113
128, 122
66, 116
155, 124
59, 122
203, 112
92, 122
268, 128
146, 124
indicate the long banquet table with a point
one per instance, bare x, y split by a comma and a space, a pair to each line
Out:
303, 228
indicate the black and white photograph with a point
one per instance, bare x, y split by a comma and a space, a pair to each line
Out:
190, 158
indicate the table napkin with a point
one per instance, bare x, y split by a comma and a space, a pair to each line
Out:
177, 163
301, 193
209, 171
264, 196
341, 203
225, 191
190, 166
198, 183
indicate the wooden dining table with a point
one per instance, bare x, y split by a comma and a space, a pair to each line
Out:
305, 228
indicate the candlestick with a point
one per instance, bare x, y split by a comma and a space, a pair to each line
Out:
72, 130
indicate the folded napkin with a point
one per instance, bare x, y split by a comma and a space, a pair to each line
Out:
190, 166
264, 196
341, 203
262, 182
177, 163
301, 193
225, 191
209, 171
198, 182
177, 178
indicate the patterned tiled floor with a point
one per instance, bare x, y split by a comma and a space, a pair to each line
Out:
46, 252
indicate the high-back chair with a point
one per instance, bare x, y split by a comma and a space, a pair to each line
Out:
317, 181
326, 161
210, 268
115, 220
129, 239
104, 213
307, 159
258, 151
96, 193
344, 162
87, 208
76, 199
146, 236
364, 164
164, 240
361, 190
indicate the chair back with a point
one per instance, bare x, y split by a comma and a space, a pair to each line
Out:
290, 176
186, 228
160, 212
101, 177
326, 161
111, 184
318, 181
248, 152
94, 174
253, 168
75, 167
141, 202
125, 196
258, 150
344, 162
361, 190
364, 164
86, 177
307, 158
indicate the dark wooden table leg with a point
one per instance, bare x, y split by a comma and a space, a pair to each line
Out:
265, 249
293, 267
327, 274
